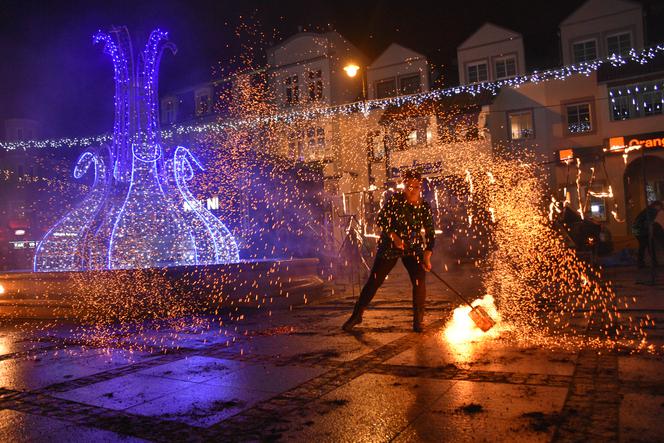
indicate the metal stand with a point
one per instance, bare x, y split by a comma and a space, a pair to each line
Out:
355, 239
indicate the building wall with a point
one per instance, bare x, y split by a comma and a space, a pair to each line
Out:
397, 63
599, 19
17, 129
547, 102
308, 52
489, 44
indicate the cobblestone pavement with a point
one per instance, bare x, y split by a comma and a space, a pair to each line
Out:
294, 375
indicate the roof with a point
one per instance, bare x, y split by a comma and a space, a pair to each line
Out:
598, 8
488, 33
394, 52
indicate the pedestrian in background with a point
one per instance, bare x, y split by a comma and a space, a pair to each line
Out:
658, 227
642, 229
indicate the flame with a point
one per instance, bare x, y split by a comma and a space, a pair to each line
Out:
2, 289
461, 329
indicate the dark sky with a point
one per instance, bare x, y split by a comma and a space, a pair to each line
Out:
51, 72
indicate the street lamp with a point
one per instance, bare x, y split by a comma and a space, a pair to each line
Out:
351, 71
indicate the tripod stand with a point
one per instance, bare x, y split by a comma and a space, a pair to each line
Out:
354, 238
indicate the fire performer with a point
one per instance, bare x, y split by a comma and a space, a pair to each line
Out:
401, 219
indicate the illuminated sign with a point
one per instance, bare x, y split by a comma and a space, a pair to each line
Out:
566, 154
25, 244
648, 142
633, 142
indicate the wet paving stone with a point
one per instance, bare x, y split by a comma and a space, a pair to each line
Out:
295, 375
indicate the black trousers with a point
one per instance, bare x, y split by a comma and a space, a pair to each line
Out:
381, 267
645, 246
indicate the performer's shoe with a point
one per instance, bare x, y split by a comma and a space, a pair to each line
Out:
353, 321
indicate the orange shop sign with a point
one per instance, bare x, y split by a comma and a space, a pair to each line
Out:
644, 141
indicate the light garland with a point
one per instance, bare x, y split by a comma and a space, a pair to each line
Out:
585, 68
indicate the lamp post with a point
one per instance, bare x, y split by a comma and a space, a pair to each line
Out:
352, 70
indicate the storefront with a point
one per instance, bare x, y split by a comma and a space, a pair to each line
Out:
613, 183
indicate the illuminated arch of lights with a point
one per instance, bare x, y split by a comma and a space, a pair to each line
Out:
130, 218
585, 68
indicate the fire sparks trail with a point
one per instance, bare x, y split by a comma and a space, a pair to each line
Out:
269, 177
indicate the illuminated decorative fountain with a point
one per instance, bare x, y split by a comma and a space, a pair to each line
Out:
133, 215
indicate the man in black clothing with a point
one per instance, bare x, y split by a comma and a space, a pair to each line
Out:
641, 228
402, 219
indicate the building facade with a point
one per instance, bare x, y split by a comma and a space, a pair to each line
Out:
601, 134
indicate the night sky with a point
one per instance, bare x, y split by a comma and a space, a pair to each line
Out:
53, 73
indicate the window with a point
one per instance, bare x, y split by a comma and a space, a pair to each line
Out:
652, 102
505, 67
292, 90
584, 51
202, 104
621, 108
315, 85
415, 132
296, 145
578, 118
410, 84
596, 208
411, 138
619, 44
375, 146
386, 88
521, 125
636, 100
316, 143
478, 72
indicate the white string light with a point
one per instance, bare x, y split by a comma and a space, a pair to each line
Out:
585, 68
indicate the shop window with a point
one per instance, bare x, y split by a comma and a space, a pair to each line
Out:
521, 125
505, 68
584, 51
619, 44
410, 84
386, 88
477, 72
597, 208
579, 118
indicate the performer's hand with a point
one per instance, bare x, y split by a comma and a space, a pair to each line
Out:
398, 243
427, 261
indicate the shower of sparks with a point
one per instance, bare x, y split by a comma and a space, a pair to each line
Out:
493, 210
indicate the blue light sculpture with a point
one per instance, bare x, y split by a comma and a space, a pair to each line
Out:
133, 216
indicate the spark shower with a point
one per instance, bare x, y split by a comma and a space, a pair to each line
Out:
133, 214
